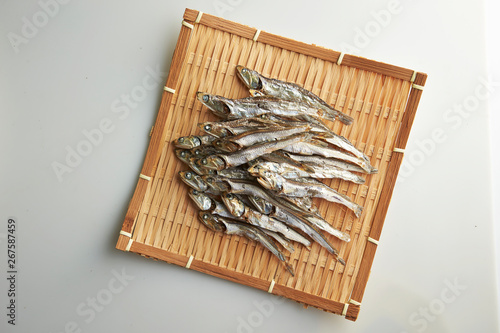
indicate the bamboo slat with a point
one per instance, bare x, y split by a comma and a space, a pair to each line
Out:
161, 222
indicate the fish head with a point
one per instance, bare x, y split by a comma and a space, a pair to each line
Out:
202, 200
235, 206
187, 142
211, 222
256, 93
216, 131
225, 145
217, 104
254, 169
270, 180
193, 180
250, 78
196, 168
261, 168
262, 205
213, 162
217, 183
183, 155
201, 152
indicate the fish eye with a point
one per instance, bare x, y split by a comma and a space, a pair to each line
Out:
183, 153
181, 140
209, 180
217, 143
204, 161
195, 192
197, 152
207, 128
188, 175
229, 196
205, 98
244, 70
205, 216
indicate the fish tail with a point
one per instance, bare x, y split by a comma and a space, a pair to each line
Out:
357, 210
340, 260
289, 268
345, 119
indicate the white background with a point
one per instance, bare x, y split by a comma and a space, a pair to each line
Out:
69, 72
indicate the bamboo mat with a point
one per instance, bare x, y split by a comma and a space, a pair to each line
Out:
161, 221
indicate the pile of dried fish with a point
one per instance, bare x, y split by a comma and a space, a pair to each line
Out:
255, 172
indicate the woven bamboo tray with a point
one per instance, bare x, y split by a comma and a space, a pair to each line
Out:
161, 221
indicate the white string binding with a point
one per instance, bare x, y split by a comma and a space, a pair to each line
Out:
126, 234
374, 241
270, 290
198, 18
145, 177
399, 150
189, 262
417, 86
413, 76
129, 245
344, 311
170, 90
354, 302
257, 33
341, 57
189, 25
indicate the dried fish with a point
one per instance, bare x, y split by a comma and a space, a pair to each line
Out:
238, 208
254, 106
287, 91
247, 139
232, 227
291, 172
283, 186
315, 147
220, 161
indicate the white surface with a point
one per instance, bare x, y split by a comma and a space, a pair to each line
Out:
67, 78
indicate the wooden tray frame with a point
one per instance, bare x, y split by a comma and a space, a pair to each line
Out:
349, 309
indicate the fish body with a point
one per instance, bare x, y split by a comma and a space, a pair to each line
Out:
221, 129
287, 91
220, 161
294, 188
316, 160
247, 139
314, 147
291, 172
232, 227
239, 209
249, 107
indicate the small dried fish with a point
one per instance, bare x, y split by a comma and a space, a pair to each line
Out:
314, 147
215, 207
315, 160
290, 172
236, 206
287, 91
232, 227
220, 161
254, 106
294, 188
247, 139
221, 129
